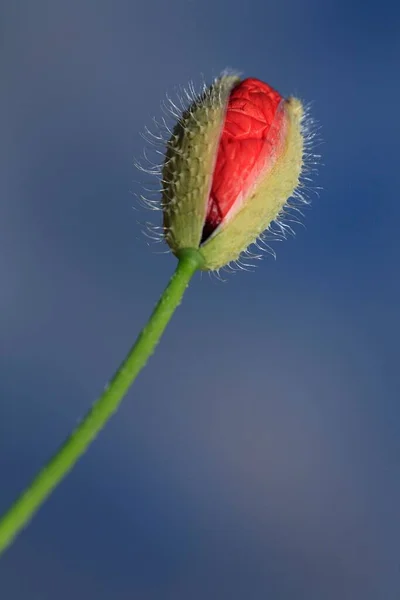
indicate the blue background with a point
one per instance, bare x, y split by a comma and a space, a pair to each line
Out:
258, 455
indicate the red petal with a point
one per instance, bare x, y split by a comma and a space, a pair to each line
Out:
247, 143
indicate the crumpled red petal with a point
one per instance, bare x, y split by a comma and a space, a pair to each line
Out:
249, 138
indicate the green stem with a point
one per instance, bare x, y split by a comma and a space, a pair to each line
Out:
23, 509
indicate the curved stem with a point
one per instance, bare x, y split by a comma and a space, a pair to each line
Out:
23, 509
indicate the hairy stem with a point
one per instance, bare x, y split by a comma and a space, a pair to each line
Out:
23, 509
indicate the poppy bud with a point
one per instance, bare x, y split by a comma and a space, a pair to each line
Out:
233, 160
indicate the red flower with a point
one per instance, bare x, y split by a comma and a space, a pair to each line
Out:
234, 158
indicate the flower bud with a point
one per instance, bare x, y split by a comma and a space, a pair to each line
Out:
233, 160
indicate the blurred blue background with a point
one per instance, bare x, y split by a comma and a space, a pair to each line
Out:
258, 455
